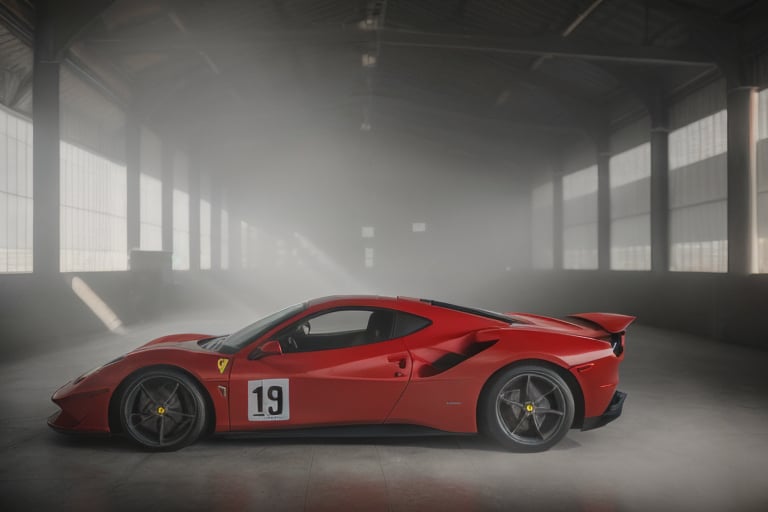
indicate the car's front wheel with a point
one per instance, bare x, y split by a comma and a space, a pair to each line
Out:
162, 409
526, 408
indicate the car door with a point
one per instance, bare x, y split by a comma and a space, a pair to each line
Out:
343, 373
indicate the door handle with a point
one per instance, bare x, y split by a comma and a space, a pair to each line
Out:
400, 360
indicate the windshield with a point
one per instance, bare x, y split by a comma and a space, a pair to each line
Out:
246, 335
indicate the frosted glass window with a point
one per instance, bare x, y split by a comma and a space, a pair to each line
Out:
180, 230
762, 182
205, 234
698, 144
630, 180
15, 193
93, 212
224, 239
151, 213
368, 257
180, 214
698, 193
542, 225
151, 193
580, 219
243, 244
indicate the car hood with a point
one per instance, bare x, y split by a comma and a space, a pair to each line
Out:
186, 341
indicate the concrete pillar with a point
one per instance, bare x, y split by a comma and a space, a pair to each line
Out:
659, 190
194, 216
603, 203
167, 188
133, 171
742, 180
46, 140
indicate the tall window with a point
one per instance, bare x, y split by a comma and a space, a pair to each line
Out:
243, 244
151, 193
180, 214
15, 193
630, 178
542, 225
205, 234
224, 239
93, 212
698, 227
580, 219
762, 182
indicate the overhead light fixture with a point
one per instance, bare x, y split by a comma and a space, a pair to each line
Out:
369, 60
368, 23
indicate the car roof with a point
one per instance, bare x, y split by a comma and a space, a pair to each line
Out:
413, 304
352, 298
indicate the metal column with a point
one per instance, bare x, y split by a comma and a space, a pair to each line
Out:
742, 180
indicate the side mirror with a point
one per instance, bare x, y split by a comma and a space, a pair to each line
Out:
270, 348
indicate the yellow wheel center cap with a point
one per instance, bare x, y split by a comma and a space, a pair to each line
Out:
529, 407
161, 410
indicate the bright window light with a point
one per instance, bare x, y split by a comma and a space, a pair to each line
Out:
630, 179
205, 234
368, 232
368, 257
95, 303
542, 225
180, 230
224, 239
698, 195
151, 213
180, 213
15, 193
580, 219
419, 227
244, 244
151, 193
93, 212
762, 182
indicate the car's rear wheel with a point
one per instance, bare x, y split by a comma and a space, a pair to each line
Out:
526, 408
162, 409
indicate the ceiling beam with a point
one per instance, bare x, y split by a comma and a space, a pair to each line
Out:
19, 18
573, 25
67, 21
554, 46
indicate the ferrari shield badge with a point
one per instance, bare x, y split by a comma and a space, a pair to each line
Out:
222, 363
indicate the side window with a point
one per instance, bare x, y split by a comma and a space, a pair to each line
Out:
340, 328
407, 323
343, 321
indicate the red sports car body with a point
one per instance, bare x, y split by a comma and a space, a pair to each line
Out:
362, 361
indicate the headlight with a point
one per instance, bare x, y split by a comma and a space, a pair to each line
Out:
94, 370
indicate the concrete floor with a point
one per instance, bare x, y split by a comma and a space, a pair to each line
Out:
694, 436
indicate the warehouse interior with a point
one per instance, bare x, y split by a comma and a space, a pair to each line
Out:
192, 165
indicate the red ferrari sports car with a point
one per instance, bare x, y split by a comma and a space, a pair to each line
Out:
376, 365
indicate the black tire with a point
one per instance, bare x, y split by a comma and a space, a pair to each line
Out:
162, 409
526, 408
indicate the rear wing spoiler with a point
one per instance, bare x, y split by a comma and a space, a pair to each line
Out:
610, 322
